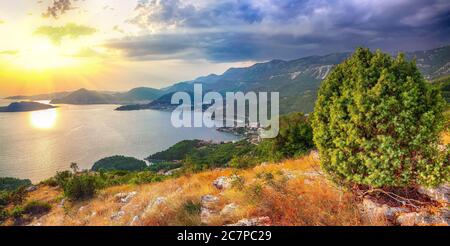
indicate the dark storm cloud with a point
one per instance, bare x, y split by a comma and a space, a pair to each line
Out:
234, 30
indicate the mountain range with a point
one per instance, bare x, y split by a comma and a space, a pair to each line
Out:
296, 80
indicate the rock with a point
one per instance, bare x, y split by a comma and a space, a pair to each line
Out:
170, 172
61, 204
440, 194
208, 210
374, 211
288, 174
222, 183
118, 215
206, 215
157, 202
136, 220
81, 209
31, 188
209, 201
422, 219
315, 155
125, 197
261, 221
228, 209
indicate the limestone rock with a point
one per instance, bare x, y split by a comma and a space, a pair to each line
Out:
374, 211
118, 215
422, 219
157, 202
136, 220
31, 188
209, 201
440, 194
125, 197
261, 221
206, 214
229, 209
222, 183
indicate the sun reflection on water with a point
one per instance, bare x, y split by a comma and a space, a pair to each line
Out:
44, 119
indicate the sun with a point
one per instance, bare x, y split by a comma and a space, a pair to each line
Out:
44, 119
41, 54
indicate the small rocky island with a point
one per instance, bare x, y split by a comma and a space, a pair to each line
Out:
25, 107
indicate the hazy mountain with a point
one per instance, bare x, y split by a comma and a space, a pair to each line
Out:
140, 94
296, 80
48, 96
83, 96
25, 107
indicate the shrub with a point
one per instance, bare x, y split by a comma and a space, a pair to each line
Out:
36, 207
192, 208
145, 177
164, 166
377, 123
119, 163
245, 161
13, 183
61, 178
80, 187
12, 197
17, 212
294, 139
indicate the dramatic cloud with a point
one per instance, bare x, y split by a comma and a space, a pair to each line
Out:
58, 7
233, 30
70, 30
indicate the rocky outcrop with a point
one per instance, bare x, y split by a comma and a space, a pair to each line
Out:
118, 215
125, 197
374, 211
229, 210
260, 221
424, 219
209, 208
222, 183
439, 194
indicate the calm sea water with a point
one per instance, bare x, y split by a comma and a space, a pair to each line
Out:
35, 145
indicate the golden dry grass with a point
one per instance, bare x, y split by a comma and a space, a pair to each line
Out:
293, 192
446, 138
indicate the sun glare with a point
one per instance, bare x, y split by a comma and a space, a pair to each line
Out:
42, 55
44, 119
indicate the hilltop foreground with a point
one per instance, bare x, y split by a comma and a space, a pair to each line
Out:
289, 193
294, 192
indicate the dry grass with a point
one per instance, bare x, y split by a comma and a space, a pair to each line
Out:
446, 138
290, 193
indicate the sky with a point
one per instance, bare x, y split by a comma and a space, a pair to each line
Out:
63, 45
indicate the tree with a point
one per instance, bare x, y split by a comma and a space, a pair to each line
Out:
377, 123
74, 167
294, 139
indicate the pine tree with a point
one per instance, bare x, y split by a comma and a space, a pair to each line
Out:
377, 123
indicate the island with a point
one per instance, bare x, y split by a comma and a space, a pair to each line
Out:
25, 107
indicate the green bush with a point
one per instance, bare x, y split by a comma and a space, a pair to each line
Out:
245, 161
377, 123
192, 208
12, 197
36, 207
164, 166
294, 139
11, 184
17, 212
80, 187
119, 163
